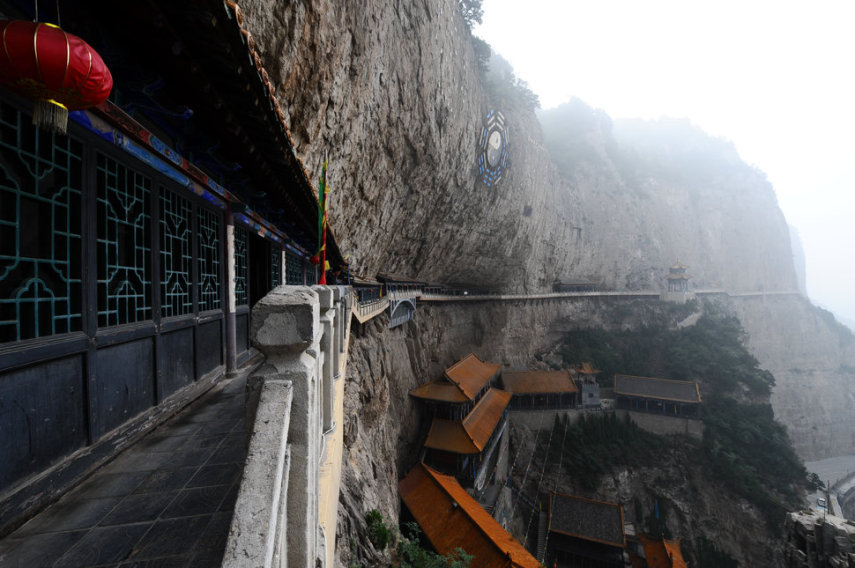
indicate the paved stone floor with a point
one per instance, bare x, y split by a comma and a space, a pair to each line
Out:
165, 502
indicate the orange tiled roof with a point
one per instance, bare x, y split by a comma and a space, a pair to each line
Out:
451, 518
472, 434
471, 374
483, 419
587, 369
450, 436
663, 553
530, 382
441, 390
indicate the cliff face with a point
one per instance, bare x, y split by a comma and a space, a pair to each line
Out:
392, 93
813, 360
383, 428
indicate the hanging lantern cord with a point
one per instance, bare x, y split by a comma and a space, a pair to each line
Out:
36, 11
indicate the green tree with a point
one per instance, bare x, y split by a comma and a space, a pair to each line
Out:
471, 11
483, 51
378, 532
814, 483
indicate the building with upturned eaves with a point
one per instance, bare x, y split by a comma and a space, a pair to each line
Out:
468, 418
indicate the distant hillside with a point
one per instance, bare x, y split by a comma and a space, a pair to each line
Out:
653, 192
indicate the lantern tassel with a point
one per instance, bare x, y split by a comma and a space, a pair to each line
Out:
51, 115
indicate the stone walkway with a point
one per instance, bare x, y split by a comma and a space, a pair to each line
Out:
165, 502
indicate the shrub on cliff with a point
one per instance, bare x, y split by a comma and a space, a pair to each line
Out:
746, 448
710, 352
378, 532
412, 555
471, 11
506, 90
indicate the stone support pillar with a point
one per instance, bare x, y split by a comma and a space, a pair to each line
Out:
230, 320
329, 346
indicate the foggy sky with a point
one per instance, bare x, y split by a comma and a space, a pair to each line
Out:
774, 77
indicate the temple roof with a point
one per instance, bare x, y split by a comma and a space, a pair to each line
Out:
482, 421
586, 368
469, 436
362, 281
460, 383
392, 278
450, 436
587, 519
663, 553
441, 390
662, 389
680, 276
237, 128
471, 374
678, 266
531, 382
451, 518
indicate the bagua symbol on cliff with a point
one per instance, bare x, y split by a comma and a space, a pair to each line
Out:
493, 157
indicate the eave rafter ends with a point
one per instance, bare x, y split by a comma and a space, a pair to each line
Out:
235, 13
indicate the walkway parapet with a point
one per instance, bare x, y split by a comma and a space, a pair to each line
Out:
368, 309
289, 411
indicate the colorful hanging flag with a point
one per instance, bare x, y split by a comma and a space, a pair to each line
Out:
323, 192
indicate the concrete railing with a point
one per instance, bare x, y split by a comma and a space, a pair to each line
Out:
369, 309
403, 294
291, 423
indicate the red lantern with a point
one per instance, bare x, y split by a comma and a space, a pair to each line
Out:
57, 70
315, 259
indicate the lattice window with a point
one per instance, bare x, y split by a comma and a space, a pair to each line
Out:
176, 255
311, 275
124, 249
275, 265
209, 259
241, 263
293, 268
40, 230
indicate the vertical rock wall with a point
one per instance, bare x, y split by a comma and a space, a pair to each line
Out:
813, 360
390, 91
